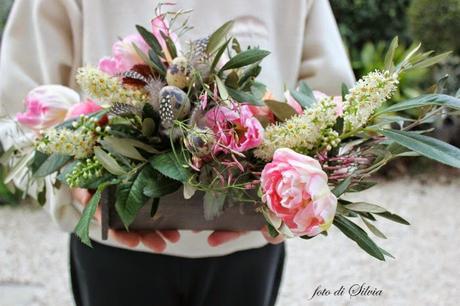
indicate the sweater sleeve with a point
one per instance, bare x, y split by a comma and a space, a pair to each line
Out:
41, 45
325, 65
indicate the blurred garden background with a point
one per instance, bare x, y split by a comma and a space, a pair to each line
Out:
33, 264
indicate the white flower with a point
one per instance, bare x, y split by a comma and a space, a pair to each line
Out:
301, 133
366, 96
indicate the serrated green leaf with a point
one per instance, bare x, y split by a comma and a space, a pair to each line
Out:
108, 162
357, 234
426, 146
160, 185
131, 198
168, 165
216, 38
245, 58
213, 204
52, 164
82, 228
282, 111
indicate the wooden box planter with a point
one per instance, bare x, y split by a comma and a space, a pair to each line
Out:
175, 212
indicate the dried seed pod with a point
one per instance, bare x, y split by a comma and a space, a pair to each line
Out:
178, 74
174, 104
200, 141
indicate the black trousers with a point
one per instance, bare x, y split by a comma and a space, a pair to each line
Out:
111, 276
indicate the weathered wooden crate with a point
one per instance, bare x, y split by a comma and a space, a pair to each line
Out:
175, 212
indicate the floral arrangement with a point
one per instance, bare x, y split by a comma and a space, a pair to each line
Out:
163, 117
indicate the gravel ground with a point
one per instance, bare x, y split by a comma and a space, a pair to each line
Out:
33, 255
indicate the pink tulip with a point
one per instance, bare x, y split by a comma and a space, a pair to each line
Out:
295, 189
124, 55
47, 106
83, 108
235, 127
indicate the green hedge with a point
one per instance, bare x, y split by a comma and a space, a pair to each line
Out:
4, 9
436, 24
362, 21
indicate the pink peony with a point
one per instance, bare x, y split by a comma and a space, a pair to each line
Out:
47, 106
83, 108
235, 128
318, 96
296, 190
124, 55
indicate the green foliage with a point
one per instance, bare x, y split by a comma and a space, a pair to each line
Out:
171, 165
362, 21
5, 6
245, 58
357, 234
82, 228
426, 146
436, 23
372, 57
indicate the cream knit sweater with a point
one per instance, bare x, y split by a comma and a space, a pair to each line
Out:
45, 42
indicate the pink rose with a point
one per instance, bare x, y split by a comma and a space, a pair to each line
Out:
47, 106
295, 189
83, 108
235, 128
124, 55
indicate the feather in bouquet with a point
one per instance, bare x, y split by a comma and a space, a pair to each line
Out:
196, 118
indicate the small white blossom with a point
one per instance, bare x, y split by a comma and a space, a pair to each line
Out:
301, 133
76, 143
366, 96
106, 88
